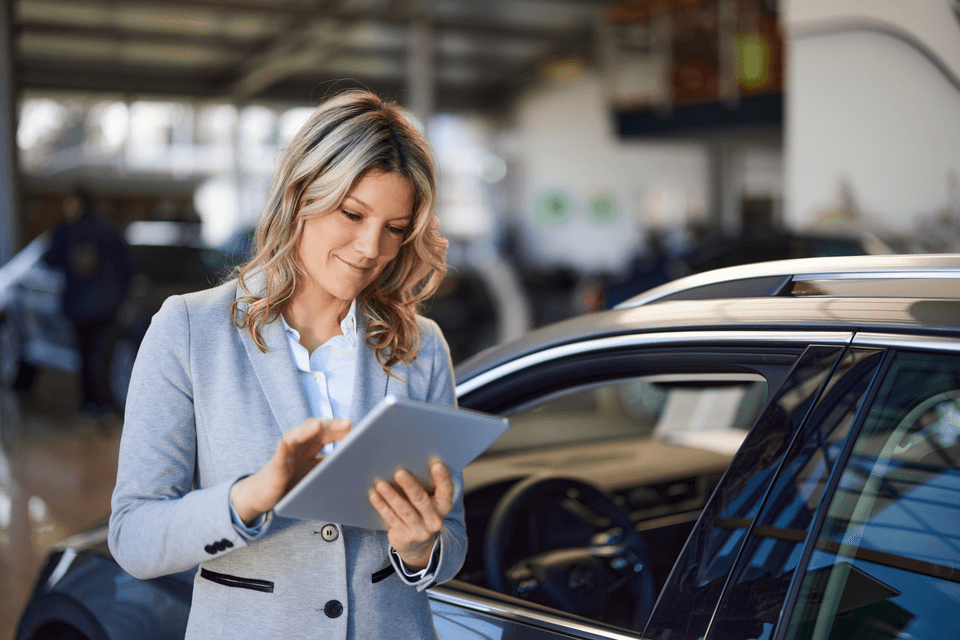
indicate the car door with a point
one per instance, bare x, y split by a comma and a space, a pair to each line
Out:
666, 508
882, 557
857, 535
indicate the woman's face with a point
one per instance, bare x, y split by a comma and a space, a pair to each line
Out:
344, 250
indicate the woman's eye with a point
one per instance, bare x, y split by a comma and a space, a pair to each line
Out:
351, 215
398, 231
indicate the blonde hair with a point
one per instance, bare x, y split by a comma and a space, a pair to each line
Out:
346, 137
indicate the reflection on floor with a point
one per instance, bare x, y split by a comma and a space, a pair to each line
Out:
57, 471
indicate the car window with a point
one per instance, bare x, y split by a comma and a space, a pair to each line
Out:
707, 411
887, 559
757, 588
687, 602
654, 444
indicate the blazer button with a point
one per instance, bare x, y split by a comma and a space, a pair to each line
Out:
333, 609
210, 549
329, 533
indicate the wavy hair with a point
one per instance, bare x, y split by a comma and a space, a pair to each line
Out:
346, 137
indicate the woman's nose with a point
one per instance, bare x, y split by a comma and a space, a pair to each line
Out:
368, 242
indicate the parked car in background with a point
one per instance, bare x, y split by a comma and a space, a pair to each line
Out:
35, 334
762, 452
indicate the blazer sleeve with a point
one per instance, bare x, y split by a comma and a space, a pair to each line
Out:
453, 536
159, 522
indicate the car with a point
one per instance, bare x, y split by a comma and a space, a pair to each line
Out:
720, 249
35, 334
768, 452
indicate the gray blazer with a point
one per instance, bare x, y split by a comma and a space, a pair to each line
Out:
207, 407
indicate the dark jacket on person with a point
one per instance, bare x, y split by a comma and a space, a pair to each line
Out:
96, 262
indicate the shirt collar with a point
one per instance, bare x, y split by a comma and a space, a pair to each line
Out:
348, 326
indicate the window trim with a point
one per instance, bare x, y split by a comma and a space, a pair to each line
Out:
905, 341
498, 605
672, 338
816, 525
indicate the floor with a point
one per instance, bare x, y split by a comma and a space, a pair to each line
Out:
57, 471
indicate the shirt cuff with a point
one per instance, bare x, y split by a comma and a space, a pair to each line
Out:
414, 578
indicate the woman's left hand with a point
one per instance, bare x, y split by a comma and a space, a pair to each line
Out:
414, 515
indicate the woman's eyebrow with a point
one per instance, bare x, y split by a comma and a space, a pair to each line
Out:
358, 201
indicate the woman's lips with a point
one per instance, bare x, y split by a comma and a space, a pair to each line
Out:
357, 267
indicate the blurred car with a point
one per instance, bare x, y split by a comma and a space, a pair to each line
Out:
718, 250
35, 333
767, 451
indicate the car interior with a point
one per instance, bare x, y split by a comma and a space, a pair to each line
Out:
638, 458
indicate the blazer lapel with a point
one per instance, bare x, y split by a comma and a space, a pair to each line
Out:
277, 372
370, 380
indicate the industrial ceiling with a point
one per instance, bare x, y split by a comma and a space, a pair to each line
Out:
482, 52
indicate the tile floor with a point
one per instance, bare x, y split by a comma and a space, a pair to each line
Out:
57, 471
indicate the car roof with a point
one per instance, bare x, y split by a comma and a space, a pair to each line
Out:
771, 278
756, 308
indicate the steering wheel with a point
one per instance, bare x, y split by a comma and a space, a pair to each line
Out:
580, 580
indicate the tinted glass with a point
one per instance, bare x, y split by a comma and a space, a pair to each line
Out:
712, 412
688, 600
752, 603
887, 560
656, 444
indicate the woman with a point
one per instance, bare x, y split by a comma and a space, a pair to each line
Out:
237, 389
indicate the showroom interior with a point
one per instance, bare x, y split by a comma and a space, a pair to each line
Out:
588, 150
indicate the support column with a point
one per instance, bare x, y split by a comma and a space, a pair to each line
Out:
725, 176
9, 187
420, 71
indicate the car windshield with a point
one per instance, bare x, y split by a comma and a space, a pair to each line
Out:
705, 411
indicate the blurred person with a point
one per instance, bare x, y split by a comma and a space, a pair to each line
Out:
238, 389
96, 264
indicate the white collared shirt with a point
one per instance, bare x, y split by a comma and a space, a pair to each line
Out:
327, 374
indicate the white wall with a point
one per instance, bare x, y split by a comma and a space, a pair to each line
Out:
565, 144
865, 107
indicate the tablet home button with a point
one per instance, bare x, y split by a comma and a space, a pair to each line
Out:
329, 532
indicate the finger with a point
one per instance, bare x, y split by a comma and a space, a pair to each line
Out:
399, 503
420, 499
309, 430
391, 519
336, 430
300, 447
443, 481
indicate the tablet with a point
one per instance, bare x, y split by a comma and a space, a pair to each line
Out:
398, 432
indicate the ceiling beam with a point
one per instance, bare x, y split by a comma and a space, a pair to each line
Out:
140, 36
300, 40
393, 16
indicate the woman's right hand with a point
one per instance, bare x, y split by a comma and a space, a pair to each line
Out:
296, 455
